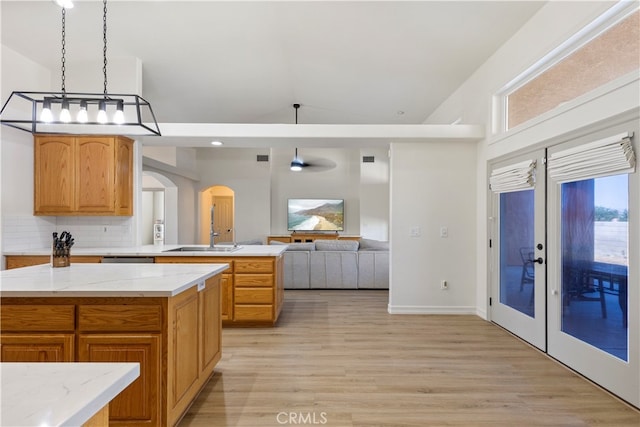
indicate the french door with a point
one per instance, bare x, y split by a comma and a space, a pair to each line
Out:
564, 272
593, 298
518, 247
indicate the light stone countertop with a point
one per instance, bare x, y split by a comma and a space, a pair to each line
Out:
59, 394
159, 250
105, 280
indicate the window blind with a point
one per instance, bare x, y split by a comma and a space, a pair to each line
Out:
516, 177
609, 156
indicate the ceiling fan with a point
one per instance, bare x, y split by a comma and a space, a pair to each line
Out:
313, 165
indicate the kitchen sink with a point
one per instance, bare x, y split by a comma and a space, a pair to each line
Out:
205, 249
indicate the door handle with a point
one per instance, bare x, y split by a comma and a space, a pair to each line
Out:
539, 260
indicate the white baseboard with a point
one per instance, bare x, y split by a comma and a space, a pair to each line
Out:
417, 309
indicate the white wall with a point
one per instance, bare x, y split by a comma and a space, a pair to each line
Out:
433, 186
19, 228
551, 26
341, 182
250, 180
180, 228
374, 195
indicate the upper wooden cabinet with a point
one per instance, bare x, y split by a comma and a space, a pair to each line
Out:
83, 175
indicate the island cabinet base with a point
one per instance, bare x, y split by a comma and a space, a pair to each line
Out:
252, 287
176, 340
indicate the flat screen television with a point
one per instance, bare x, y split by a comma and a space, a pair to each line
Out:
315, 215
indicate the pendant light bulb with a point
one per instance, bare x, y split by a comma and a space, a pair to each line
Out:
67, 4
118, 118
83, 117
65, 116
46, 115
102, 112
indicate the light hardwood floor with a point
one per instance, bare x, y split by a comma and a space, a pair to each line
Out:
337, 358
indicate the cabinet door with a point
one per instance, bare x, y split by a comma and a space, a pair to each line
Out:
36, 348
210, 326
139, 403
226, 297
95, 178
124, 177
183, 369
53, 175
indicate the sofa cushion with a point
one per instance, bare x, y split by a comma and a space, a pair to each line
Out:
301, 247
373, 269
296, 270
373, 245
333, 269
336, 245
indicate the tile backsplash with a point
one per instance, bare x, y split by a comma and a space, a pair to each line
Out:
34, 232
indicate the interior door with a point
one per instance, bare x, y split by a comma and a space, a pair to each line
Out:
518, 247
593, 301
223, 219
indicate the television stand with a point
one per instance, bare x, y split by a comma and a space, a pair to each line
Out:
299, 237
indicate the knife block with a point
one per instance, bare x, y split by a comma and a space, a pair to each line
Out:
60, 258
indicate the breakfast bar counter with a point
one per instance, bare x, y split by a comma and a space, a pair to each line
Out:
165, 317
252, 287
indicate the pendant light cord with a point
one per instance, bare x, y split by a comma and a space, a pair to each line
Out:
104, 49
64, 50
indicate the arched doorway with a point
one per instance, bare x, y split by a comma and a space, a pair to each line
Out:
221, 198
159, 202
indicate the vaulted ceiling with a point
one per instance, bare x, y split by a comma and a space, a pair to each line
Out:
360, 62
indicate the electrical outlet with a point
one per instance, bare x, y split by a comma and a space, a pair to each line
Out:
415, 231
444, 232
444, 285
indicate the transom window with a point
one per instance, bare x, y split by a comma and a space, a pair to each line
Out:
612, 54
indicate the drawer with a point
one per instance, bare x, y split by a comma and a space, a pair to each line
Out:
22, 318
114, 318
253, 295
246, 312
254, 265
252, 280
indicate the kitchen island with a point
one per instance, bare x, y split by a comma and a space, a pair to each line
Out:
166, 317
61, 394
252, 288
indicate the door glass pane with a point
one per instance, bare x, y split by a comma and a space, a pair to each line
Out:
516, 251
595, 237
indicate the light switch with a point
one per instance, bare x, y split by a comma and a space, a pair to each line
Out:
415, 231
444, 232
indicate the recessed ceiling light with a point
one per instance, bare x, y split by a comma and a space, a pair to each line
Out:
400, 112
216, 143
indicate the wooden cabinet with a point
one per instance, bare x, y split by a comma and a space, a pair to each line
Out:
192, 356
252, 288
42, 347
176, 340
183, 347
37, 333
140, 403
226, 296
17, 261
83, 175
210, 325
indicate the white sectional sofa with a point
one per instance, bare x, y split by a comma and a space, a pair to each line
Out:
337, 264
